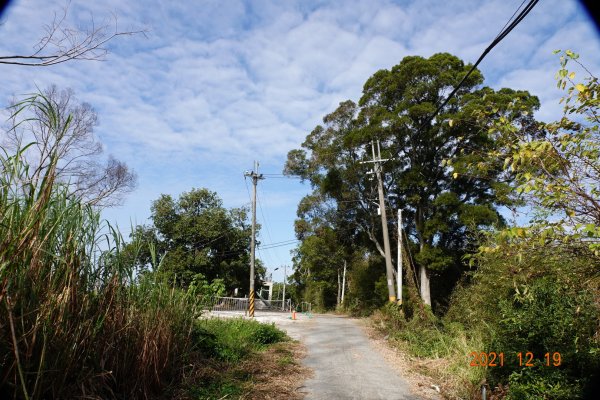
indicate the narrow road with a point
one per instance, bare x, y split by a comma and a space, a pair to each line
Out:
345, 364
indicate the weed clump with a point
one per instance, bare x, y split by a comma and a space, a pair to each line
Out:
76, 319
234, 339
539, 303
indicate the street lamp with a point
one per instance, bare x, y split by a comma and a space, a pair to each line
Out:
284, 277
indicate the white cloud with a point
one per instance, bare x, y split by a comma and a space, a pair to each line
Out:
214, 87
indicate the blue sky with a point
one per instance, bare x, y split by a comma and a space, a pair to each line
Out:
216, 85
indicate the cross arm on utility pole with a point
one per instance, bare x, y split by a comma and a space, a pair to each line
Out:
386, 240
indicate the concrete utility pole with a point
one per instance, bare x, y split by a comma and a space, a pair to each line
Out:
284, 277
399, 277
344, 282
386, 240
255, 177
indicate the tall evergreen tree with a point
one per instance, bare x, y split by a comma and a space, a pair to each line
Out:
441, 207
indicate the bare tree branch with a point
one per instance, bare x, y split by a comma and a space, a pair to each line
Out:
63, 43
94, 182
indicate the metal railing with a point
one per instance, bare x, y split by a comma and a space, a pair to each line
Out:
241, 304
274, 305
226, 304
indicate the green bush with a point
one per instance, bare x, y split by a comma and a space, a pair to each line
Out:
534, 384
234, 339
526, 298
425, 335
519, 300
268, 334
547, 316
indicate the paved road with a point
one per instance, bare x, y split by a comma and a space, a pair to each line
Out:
345, 364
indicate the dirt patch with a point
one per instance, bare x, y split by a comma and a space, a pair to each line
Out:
277, 373
412, 369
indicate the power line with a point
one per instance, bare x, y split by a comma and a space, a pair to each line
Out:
273, 247
283, 244
508, 27
282, 176
511, 17
503, 33
266, 225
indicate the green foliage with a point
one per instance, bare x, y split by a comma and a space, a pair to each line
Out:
536, 384
556, 166
74, 322
319, 260
535, 288
319, 294
196, 236
217, 389
201, 287
443, 206
545, 275
230, 359
548, 316
234, 339
539, 300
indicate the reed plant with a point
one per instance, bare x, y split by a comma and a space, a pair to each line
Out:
76, 320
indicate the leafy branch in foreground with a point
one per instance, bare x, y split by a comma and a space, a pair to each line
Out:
556, 167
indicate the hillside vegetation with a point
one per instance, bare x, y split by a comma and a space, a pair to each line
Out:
78, 317
513, 306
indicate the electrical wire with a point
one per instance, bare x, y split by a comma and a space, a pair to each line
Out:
281, 244
267, 228
503, 33
511, 18
508, 27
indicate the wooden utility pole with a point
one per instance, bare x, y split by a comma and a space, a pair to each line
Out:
386, 239
255, 177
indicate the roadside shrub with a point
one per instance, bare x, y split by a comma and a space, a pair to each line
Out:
547, 316
526, 298
429, 337
75, 321
268, 334
535, 384
234, 339
519, 299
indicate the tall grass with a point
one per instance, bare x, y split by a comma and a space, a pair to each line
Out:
442, 349
74, 319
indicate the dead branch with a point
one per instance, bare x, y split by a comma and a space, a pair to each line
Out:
62, 43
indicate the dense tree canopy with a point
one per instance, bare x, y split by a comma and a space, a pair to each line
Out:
195, 235
442, 208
